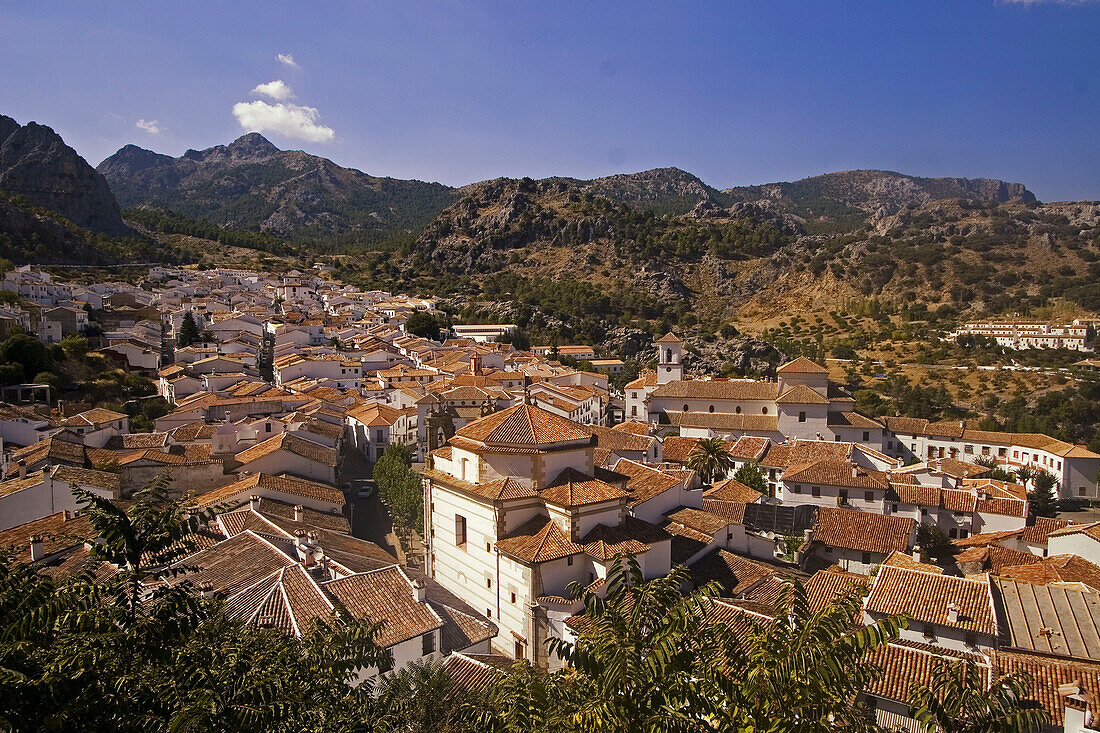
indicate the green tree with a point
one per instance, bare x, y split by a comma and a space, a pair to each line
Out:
934, 541
28, 352
426, 325
423, 698
752, 476
188, 333
711, 459
400, 488
957, 700
1041, 501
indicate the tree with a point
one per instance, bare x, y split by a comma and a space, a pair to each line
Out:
956, 700
1024, 474
933, 540
188, 333
423, 324
1041, 501
399, 487
423, 698
75, 347
28, 352
711, 459
750, 475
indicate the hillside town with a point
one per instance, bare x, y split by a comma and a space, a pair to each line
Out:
538, 476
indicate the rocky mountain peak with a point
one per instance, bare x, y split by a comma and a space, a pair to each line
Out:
253, 145
35, 162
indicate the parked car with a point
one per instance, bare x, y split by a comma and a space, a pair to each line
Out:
363, 488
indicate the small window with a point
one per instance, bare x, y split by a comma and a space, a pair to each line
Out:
428, 643
953, 533
815, 491
866, 436
488, 582
710, 409
796, 489
869, 496
802, 416
865, 558
763, 411
460, 530
844, 494
513, 596
569, 560
737, 409
488, 613
520, 652
488, 546
971, 639
685, 408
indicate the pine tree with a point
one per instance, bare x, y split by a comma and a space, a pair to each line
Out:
1041, 499
189, 331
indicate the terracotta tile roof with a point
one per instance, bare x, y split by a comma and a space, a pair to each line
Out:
834, 472
283, 484
729, 421
676, 449
18, 484
505, 489
905, 561
905, 425
620, 440
926, 597
234, 564
293, 444
668, 338
863, 531
385, 596
572, 488
1037, 533
646, 379
192, 431
476, 672
604, 543
993, 558
87, 477
288, 599
732, 490
133, 441
825, 586
634, 427
800, 394
732, 511
851, 419
749, 447
64, 447
718, 389
57, 531
538, 539
782, 455
1048, 675
734, 573
905, 665
1056, 569
698, 519
524, 425
1089, 530
801, 365
644, 482
94, 417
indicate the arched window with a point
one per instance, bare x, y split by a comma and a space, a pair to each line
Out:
763, 411
685, 408
710, 409
737, 409
668, 355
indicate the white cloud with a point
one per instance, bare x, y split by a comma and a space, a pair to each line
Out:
287, 59
274, 89
150, 126
291, 120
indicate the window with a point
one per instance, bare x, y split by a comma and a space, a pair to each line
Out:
866, 436
513, 596
869, 496
1002, 452
802, 416
267, 427
488, 582
953, 533
929, 631
737, 409
633, 395
685, 408
428, 641
569, 560
865, 558
460, 530
894, 508
710, 409
815, 491
796, 489
1080, 490
520, 652
844, 494
488, 613
763, 411
971, 639
968, 449
488, 546
634, 411
985, 450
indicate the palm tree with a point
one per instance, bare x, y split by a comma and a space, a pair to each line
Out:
957, 700
1024, 474
710, 458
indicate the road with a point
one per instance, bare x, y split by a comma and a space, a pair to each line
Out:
368, 517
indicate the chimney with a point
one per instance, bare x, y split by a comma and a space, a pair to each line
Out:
207, 589
37, 551
917, 552
420, 590
299, 510
952, 613
475, 364
254, 502
22, 469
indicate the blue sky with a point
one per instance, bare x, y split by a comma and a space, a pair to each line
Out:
735, 92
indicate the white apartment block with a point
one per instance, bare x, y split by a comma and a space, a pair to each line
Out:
1027, 334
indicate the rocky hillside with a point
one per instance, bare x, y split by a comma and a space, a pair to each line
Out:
250, 184
35, 163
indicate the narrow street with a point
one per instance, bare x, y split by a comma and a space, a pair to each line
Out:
368, 517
